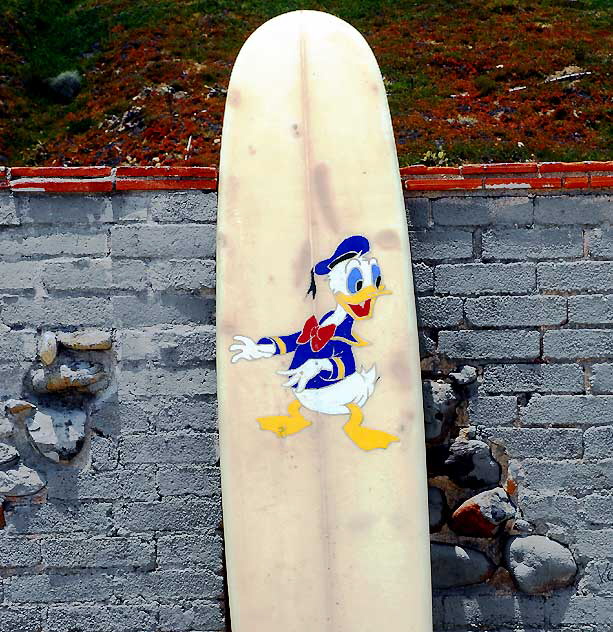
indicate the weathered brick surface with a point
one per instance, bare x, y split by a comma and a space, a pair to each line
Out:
129, 537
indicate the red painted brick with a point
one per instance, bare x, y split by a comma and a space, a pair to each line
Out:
167, 172
142, 184
508, 167
576, 182
60, 172
602, 181
533, 183
39, 185
581, 167
440, 184
417, 170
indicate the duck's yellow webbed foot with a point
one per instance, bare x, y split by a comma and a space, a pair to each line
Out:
285, 425
365, 438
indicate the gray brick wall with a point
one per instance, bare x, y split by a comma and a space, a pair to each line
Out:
127, 537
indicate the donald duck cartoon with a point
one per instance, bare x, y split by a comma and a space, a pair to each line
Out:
322, 373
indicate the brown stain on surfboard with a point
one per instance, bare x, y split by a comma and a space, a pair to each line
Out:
387, 239
324, 196
302, 265
296, 130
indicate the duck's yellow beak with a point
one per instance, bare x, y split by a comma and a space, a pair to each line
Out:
361, 304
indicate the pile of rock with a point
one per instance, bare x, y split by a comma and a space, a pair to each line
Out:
478, 531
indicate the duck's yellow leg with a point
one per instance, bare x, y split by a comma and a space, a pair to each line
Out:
285, 425
365, 438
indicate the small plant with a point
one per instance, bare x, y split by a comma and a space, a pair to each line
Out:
435, 158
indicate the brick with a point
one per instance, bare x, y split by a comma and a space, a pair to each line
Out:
22, 618
579, 276
20, 275
471, 211
580, 610
573, 209
133, 482
532, 243
493, 611
169, 448
539, 378
441, 244
571, 344
60, 172
590, 310
576, 478
598, 442
19, 552
169, 585
423, 278
58, 517
601, 378
167, 241
64, 209
557, 509
418, 212
105, 617
8, 210
190, 550
182, 274
515, 311
555, 443
103, 275
51, 242
139, 311
467, 279
493, 411
598, 509
116, 552
175, 515
427, 345
600, 242
568, 410
56, 312
490, 345
438, 312
442, 184
17, 346
184, 206
52, 588
195, 480
190, 382
192, 615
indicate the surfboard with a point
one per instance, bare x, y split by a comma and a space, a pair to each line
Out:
320, 415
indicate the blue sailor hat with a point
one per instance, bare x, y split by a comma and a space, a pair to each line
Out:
348, 248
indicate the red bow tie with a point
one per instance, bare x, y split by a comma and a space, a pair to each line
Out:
319, 336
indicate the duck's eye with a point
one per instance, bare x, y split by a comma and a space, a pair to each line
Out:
355, 281
376, 275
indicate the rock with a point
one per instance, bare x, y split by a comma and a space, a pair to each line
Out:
8, 454
20, 481
538, 564
92, 340
6, 428
47, 348
471, 464
482, 515
439, 407
437, 508
467, 375
57, 434
521, 527
65, 86
458, 566
80, 376
18, 407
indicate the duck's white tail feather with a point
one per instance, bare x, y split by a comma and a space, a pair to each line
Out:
369, 378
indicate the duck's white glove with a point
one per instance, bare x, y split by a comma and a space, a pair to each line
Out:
301, 375
248, 349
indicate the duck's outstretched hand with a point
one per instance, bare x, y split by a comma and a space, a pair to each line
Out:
248, 349
299, 376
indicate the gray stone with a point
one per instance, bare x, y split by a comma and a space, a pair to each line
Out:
454, 566
466, 375
482, 515
18, 407
437, 508
6, 428
47, 348
20, 481
91, 340
65, 86
57, 434
439, 407
471, 464
79, 376
538, 564
8, 454
521, 527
